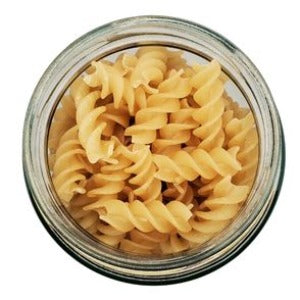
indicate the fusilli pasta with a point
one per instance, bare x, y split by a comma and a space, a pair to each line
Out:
70, 166
183, 165
143, 169
151, 155
208, 95
155, 115
91, 130
153, 215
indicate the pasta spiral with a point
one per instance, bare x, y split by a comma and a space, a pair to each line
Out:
63, 119
70, 167
238, 129
153, 215
238, 111
242, 132
143, 243
82, 210
112, 82
108, 235
155, 115
188, 166
207, 185
111, 180
113, 117
248, 156
79, 89
150, 68
88, 220
91, 130
176, 132
208, 95
148, 187
223, 204
125, 63
174, 244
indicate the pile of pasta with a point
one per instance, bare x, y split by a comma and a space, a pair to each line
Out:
149, 154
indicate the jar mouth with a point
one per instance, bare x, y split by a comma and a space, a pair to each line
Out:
125, 34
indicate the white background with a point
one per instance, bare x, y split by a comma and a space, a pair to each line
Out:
32, 265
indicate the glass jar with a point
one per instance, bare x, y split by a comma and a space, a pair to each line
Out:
193, 38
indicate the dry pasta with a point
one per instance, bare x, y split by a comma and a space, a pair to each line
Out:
70, 167
151, 155
208, 95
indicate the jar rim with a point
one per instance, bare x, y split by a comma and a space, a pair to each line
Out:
108, 38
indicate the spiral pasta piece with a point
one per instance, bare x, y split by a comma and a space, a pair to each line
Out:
70, 166
150, 68
248, 156
238, 129
176, 132
238, 111
108, 235
223, 204
148, 187
143, 243
63, 119
208, 95
111, 82
242, 132
208, 185
111, 180
145, 217
91, 129
225, 193
183, 166
175, 61
113, 117
88, 220
79, 89
82, 209
126, 63
155, 115
174, 244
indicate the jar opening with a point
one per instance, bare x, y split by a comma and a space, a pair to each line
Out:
237, 116
244, 83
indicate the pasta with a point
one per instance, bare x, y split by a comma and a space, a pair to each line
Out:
242, 132
248, 156
70, 167
174, 244
150, 68
208, 95
183, 165
151, 155
63, 119
108, 235
183, 193
155, 115
86, 219
79, 89
139, 242
176, 132
154, 215
143, 170
90, 129
215, 212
